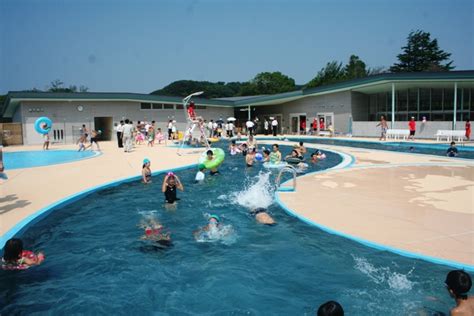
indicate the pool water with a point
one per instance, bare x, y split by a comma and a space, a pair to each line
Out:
97, 264
466, 152
29, 159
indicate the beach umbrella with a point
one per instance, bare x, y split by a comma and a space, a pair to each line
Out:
231, 119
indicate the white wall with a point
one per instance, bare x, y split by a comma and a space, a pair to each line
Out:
65, 115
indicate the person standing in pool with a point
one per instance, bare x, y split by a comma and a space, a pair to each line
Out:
301, 149
210, 157
250, 157
452, 150
458, 284
146, 171
251, 143
412, 128
171, 183
275, 156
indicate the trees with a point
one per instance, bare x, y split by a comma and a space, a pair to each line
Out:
355, 68
272, 82
182, 88
333, 72
422, 54
57, 86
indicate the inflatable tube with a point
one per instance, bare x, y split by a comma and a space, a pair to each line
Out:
219, 156
39, 125
213, 139
294, 160
278, 165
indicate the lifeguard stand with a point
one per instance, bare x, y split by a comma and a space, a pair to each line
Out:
192, 124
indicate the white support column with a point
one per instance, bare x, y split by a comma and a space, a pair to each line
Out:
249, 113
393, 105
455, 104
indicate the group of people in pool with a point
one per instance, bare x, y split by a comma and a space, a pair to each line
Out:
249, 150
458, 282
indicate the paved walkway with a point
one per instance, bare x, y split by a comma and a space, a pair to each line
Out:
415, 203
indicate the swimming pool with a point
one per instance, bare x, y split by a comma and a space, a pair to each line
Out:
96, 262
466, 152
29, 159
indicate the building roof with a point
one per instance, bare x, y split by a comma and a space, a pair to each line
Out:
370, 84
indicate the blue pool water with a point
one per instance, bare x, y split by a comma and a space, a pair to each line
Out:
29, 159
97, 264
466, 152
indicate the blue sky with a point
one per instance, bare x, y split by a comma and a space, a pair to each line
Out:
140, 46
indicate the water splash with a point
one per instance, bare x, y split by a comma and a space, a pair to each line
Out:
383, 275
256, 194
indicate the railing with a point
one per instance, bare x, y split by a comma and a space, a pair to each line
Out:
293, 171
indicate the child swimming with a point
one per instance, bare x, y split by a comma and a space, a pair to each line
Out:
458, 284
15, 258
215, 231
261, 215
250, 158
233, 148
154, 231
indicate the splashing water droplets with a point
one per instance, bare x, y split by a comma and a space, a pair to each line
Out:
256, 194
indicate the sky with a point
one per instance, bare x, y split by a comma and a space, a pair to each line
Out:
141, 46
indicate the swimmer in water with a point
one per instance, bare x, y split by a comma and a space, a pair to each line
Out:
266, 155
213, 224
15, 258
301, 149
250, 158
146, 171
154, 231
210, 157
331, 308
171, 183
458, 284
244, 149
233, 148
262, 216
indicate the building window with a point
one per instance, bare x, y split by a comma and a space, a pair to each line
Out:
436, 99
401, 101
448, 100
157, 106
425, 99
413, 100
168, 106
179, 107
200, 107
145, 106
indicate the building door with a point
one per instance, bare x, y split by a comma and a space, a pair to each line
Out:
325, 120
297, 123
104, 124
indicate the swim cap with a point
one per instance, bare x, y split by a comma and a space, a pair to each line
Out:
170, 174
215, 217
201, 166
146, 160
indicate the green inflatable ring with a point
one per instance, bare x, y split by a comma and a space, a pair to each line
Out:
219, 156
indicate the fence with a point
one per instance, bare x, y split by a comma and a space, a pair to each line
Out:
425, 130
11, 134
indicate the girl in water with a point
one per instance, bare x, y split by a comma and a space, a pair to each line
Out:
154, 231
171, 183
233, 148
15, 258
275, 156
146, 171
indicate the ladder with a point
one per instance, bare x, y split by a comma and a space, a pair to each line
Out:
291, 170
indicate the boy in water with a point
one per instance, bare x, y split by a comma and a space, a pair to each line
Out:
210, 156
452, 150
266, 155
458, 284
250, 158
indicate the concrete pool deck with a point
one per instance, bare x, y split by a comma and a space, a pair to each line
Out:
416, 203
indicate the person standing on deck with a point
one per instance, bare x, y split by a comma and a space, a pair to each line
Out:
412, 128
